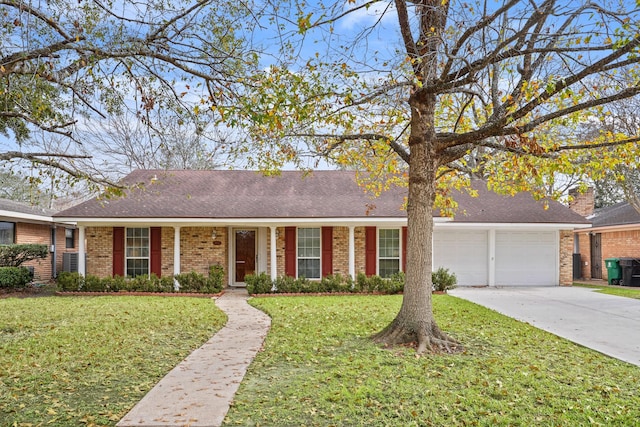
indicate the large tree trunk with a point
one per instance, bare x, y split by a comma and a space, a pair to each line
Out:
415, 321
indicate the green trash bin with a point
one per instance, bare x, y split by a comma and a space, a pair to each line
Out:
614, 271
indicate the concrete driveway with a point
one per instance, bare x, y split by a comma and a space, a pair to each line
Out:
606, 323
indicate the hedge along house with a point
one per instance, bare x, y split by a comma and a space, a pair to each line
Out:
21, 223
312, 225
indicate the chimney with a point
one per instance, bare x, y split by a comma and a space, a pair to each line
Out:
582, 203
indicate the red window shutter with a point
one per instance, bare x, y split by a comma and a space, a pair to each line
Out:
327, 251
118, 251
370, 249
156, 250
290, 251
404, 248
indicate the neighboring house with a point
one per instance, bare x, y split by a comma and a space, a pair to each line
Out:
22, 224
312, 225
615, 233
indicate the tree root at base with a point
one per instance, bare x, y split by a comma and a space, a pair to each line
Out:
428, 339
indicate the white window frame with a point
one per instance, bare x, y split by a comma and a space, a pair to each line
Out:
141, 256
378, 246
319, 257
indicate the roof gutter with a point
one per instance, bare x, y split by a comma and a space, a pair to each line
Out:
25, 216
612, 228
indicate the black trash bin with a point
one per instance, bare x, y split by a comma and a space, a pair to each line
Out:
630, 271
577, 266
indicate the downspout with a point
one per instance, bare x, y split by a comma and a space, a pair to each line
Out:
53, 251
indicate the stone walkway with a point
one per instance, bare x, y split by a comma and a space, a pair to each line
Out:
199, 391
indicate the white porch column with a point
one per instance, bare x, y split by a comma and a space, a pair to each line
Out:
82, 267
176, 255
352, 251
273, 253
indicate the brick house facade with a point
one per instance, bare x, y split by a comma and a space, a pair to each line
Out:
615, 233
33, 225
308, 225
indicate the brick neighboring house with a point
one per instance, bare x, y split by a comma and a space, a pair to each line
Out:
312, 225
614, 233
23, 224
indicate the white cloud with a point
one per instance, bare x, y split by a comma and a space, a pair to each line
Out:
365, 17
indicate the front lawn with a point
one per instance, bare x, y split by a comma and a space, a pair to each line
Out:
85, 361
319, 369
628, 292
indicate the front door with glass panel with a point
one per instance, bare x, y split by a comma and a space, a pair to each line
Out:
245, 254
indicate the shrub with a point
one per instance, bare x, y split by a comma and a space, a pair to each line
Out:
14, 277
443, 280
394, 284
309, 286
69, 281
167, 284
196, 282
366, 283
15, 255
216, 278
93, 284
361, 283
115, 284
371, 284
258, 284
337, 283
75, 282
286, 284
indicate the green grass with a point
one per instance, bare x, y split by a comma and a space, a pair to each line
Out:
68, 361
611, 290
319, 369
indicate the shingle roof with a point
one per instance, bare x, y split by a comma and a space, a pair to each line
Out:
23, 208
618, 214
243, 194
320, 194
520, 208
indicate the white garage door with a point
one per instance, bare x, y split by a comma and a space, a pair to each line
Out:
463, 253
526, 258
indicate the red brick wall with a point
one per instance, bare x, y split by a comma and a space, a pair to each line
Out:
36, 234
584, 249
615, 244
27, 233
